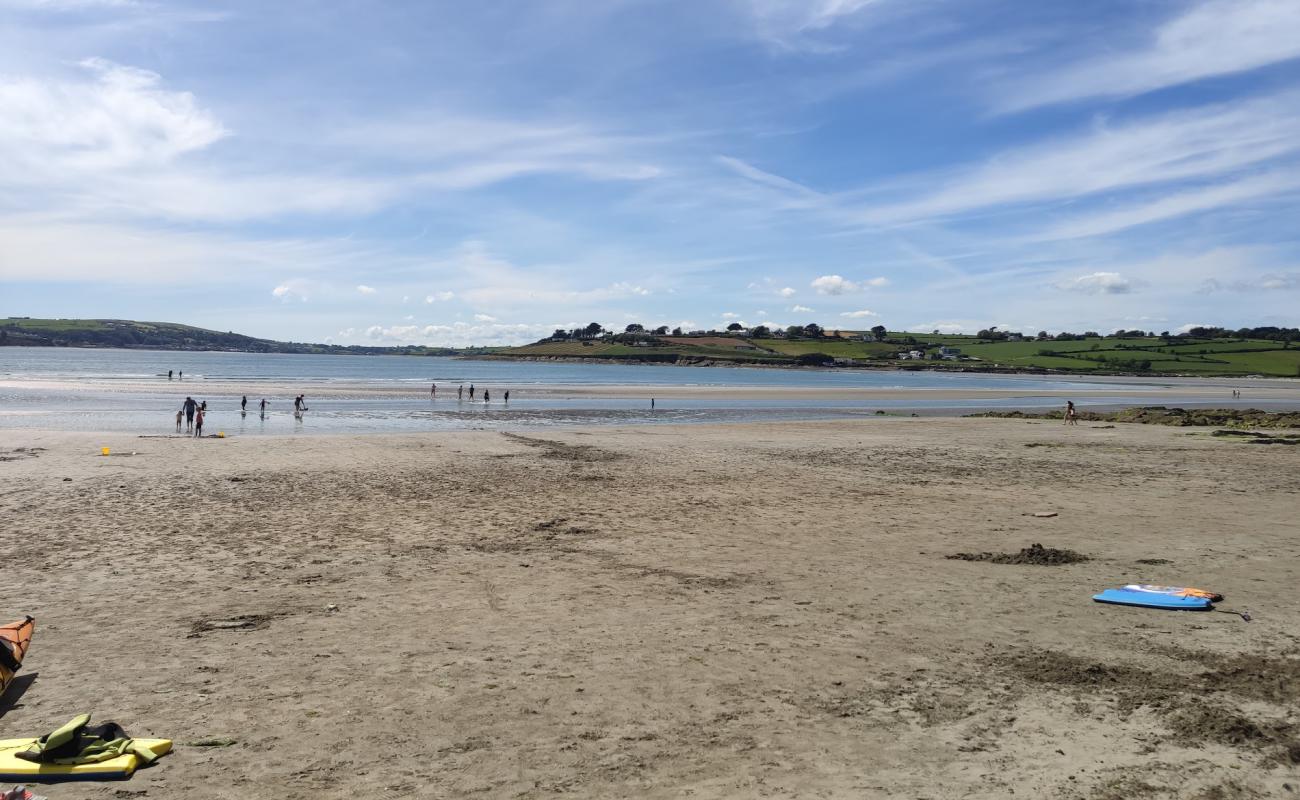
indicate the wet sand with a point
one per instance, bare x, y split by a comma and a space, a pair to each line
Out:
761, 610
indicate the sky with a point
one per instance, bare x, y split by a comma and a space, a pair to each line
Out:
451, 173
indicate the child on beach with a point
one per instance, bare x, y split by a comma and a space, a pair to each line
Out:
198, 423
180, 415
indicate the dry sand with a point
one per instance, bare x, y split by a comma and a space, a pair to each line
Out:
734, 611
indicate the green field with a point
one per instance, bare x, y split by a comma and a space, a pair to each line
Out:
1228, 357
839, 348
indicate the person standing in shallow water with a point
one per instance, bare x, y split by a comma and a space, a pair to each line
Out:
507, 395
471, 392
487, 396
460, 392
198, 424
190, 407
433, 391
243, 405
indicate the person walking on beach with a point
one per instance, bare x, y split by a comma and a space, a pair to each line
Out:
180, 376
263, 408
507, 396
460, 392
433, 391
169, 374
190, 407
487, 396
243, 405
471, 392
198, 424
1071, 416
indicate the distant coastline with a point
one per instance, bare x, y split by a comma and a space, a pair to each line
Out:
172, 337
1203, 353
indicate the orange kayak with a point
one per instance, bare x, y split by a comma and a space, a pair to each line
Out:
15, 638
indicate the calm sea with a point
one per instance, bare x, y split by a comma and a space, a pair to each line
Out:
86, 389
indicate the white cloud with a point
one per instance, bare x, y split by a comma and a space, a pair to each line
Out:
800, 309
292, 289
730, 315
484, 318
1219, 37
835, 284
363, 289
436, 296
1098, 283
859, 314
787, 292
120, 118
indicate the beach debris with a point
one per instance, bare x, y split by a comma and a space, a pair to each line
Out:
1153, 562
1042, 514
212, 742
243, 622
332, 608
21, 793
21, 452
1035, 554
103, 451
1255, 437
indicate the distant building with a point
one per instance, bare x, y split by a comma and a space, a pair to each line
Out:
950, 353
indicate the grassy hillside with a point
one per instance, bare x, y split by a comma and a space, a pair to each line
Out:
1094, 355
25, 331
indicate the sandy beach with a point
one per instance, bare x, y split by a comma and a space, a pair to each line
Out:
749, 610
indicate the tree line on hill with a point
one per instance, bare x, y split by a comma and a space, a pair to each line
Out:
636, 330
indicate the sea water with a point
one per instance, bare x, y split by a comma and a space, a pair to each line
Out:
128, 390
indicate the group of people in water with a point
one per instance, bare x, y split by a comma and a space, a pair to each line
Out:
192, 412
460, 393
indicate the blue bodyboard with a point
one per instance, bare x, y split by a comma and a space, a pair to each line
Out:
1170, 597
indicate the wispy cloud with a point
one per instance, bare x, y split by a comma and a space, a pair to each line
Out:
1173, 205
1181, 145
787, 24
1218, 37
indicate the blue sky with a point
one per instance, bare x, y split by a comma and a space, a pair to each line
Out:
472, 173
